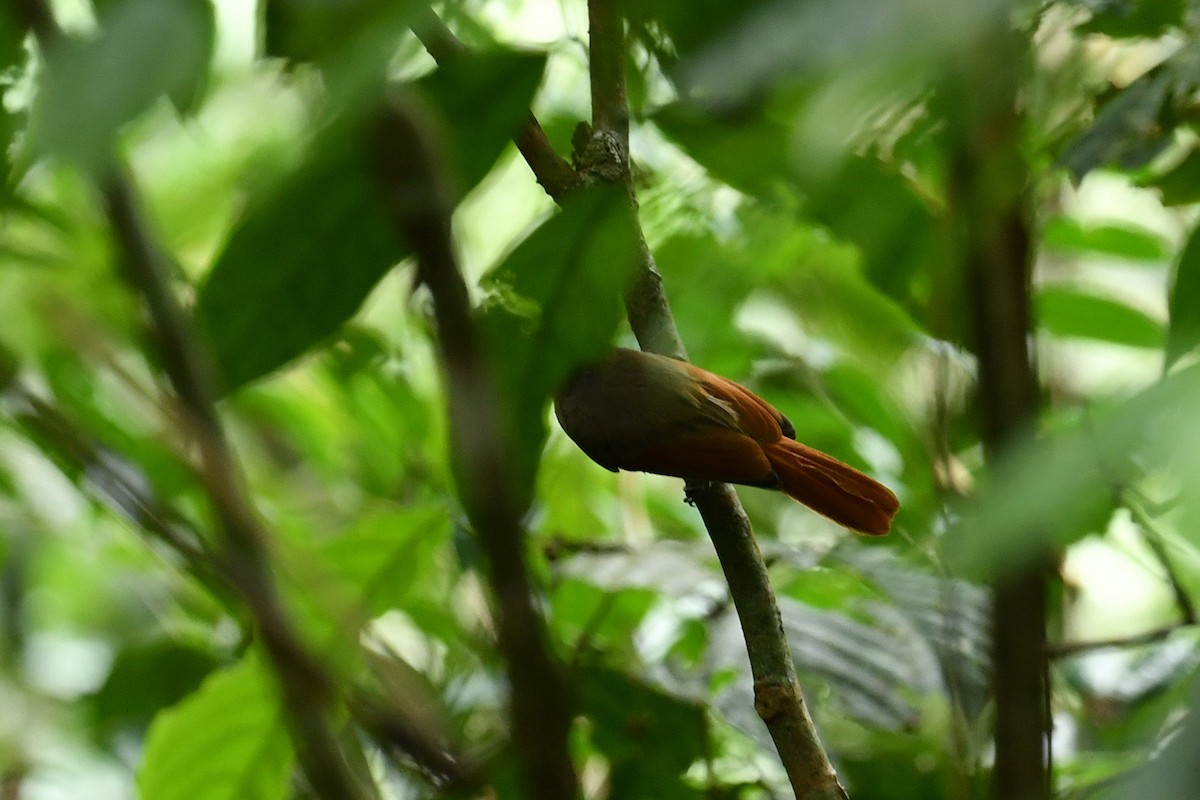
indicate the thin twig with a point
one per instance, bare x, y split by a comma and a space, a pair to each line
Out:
551, 170
1157, 544
482, 455
1068, 649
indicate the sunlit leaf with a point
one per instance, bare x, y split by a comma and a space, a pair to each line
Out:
1183, 331
1179, 185
305, 256
225, 742
1120, 240
1071, 312
390, 560
144, 50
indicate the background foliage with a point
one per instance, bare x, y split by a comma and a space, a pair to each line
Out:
791, 164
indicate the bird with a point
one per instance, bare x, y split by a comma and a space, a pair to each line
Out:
644, 412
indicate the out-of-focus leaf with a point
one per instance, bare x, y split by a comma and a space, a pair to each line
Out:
1067, 311
1130, 18
484, 99
1121, 240
629, 719
227, 741
92, 87
1172, 772
1137, 122
307, 30
599, 620
952, 615
859, 395
1058, 489
305, 257
1180, 185
300, 263
146, 678
1183, 303
557, 305
12, 37
873, 205
390, 560
721, 145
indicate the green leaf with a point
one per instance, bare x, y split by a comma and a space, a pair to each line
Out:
485, 99
557, 304
1068, 311
391, 560
93, 87
631, 719
1059, 488
225, 742
1136, 123
146, 678
1133, 18
1180, 185
307, 30
308, 253
1122, 240
300, 263
1183, 303
720, 144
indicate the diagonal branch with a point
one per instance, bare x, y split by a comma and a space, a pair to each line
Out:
550, 169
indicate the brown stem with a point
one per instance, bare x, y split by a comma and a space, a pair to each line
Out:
988, 191
550, 169
540, 707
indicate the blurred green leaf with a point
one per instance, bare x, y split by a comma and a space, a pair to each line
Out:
1180, 185
307, 30
93, 87
1068, 311
1130, 18
394, 559
1172, 770
1122, 240
631, 719
556, 304
722, 144
145, 678
1137, 122
225, 742
1183, 303
305, 256
300, 263
484, 100
1054, 491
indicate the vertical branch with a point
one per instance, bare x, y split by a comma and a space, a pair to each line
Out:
989, 190
421, 204
777, 696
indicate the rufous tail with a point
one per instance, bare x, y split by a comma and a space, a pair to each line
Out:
831, 488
